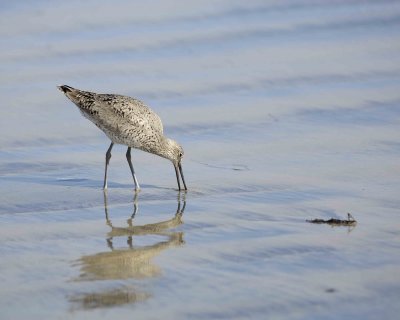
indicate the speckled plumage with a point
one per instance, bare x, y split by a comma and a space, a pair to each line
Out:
126, 121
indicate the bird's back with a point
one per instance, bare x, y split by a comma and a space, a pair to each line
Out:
123, 119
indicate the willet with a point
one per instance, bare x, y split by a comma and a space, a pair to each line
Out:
130, 122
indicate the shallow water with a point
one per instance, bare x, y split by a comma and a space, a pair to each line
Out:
287, 111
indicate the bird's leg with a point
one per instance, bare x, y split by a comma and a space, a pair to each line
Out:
177, 177
128, 157
108, 157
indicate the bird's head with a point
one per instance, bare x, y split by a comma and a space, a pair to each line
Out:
173, 151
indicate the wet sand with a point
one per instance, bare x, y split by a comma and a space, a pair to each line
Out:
286, 111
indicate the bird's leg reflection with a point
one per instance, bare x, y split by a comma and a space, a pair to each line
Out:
108, 222
109, 243
127, 261
133, 261
130, 242
152, 228
135, 209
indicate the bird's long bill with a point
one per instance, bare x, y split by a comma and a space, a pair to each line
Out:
183, 178
177, 176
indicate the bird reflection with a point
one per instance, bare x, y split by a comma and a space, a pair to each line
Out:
131, 262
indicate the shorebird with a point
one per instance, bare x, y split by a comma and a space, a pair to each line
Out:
130, 122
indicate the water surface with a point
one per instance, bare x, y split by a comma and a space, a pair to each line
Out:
286, 110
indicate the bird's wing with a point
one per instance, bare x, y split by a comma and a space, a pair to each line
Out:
131, 110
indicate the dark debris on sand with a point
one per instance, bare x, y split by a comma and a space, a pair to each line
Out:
336, 222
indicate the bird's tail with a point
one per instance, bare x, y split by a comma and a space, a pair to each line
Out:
70, 92
65, 88
83, 99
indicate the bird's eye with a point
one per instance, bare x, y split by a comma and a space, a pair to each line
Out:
180, 154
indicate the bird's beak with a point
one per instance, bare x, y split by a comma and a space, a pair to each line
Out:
177, 176
183, 179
